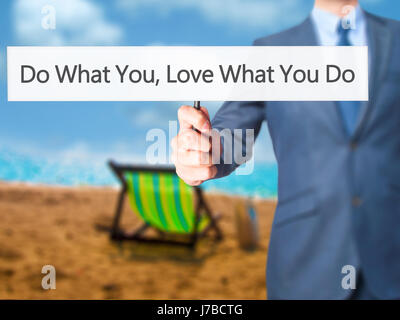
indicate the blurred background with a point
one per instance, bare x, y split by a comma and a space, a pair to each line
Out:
67, 144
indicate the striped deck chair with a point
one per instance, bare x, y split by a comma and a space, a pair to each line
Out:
163, 202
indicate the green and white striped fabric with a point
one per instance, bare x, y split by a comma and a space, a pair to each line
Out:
163, 201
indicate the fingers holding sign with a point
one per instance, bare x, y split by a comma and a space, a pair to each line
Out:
192, 148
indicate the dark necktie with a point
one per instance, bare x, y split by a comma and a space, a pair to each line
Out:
348, 109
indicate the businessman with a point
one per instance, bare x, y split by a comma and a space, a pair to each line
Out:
338, 162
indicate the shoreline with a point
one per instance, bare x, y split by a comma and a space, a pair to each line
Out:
215, 192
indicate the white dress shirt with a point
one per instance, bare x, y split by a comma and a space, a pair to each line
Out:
326, 25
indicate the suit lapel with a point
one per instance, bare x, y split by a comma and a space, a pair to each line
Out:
328, 110
379, 40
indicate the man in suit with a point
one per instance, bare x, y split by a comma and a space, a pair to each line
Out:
338, 163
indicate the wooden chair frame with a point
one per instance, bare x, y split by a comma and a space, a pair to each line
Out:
189, 240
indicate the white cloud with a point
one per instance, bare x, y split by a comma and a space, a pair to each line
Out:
271, 14
149, 115
78, 22
82, 152
75, 152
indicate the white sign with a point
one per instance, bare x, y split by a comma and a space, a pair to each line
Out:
187, 73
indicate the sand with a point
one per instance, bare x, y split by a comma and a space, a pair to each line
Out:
65, 227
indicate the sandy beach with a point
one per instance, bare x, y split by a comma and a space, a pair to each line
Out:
65, 227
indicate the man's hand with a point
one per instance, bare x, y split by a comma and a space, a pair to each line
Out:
193, 150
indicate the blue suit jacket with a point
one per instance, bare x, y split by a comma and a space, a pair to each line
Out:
338, 196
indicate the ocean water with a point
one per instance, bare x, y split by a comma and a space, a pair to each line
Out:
37, 169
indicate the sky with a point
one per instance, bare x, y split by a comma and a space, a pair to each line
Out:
100, 130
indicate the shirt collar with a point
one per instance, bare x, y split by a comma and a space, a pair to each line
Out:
328, 22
